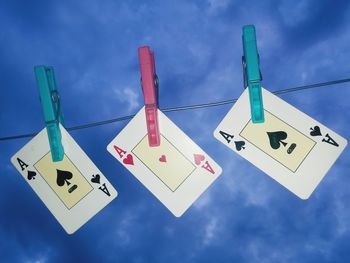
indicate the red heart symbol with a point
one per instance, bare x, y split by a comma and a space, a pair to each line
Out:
198, 158
162, 159
128, 159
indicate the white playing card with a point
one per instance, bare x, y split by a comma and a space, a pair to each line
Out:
177, 172
289, 146
74, 190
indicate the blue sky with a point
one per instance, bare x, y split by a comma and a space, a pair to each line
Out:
245, 216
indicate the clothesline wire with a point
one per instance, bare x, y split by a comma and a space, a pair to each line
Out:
181, 108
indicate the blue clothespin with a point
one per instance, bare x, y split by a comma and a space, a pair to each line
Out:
252, 75
50, 102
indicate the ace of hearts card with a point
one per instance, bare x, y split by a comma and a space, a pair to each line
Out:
74, 189
177, 171
291, 147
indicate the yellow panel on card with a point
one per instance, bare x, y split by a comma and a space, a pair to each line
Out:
165, 161
279, 140
64, 179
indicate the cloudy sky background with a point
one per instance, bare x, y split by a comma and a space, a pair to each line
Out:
245, 216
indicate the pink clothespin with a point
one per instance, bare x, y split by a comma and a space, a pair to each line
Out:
149, 83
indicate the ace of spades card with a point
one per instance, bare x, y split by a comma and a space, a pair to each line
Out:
74, 189
291, 147
177, 171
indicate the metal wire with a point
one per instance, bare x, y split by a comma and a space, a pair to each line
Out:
181, 108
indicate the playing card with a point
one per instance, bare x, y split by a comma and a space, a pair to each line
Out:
74, 190
177, 172
289, 146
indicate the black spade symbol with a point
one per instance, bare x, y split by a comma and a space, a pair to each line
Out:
239, 145
276, 139
315, 131
63, 177
95, 179
31, 175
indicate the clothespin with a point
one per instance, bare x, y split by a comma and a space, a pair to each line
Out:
50, 102
149, 83
252, 75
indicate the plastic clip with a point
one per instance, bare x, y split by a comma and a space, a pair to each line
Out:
149, 83
50, 102
252, 75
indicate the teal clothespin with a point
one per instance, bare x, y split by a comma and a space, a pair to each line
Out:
50, 102
252, 74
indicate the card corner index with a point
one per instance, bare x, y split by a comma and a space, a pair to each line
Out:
17, 162
111, 146
217, 133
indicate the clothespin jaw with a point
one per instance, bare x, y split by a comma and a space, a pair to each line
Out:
252, 74
50, 102
149, 83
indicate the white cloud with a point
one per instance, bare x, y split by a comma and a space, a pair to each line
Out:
123, 228
42, 257
40, 260
128, 96
210, 231
217, 5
